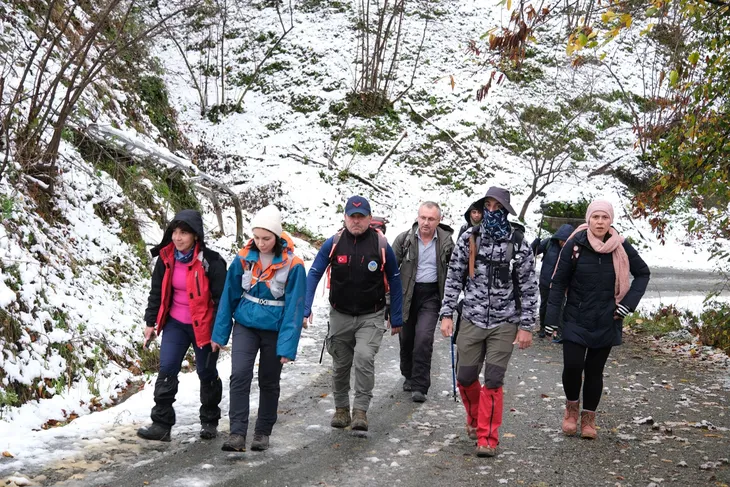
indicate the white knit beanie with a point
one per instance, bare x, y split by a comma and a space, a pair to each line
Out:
268, 218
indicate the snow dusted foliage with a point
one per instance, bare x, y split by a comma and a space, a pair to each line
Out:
294, 129
73, 293
74, 269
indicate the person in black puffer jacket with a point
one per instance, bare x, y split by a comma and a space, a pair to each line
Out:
593, 269
550, 250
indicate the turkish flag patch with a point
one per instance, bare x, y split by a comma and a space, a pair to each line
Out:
342, 259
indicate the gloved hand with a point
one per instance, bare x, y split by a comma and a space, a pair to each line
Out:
550, 330
387, 312
621, 312
534, 245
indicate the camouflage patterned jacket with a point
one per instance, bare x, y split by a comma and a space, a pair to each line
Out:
490, 304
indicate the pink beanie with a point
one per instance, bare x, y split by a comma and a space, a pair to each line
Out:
599, 205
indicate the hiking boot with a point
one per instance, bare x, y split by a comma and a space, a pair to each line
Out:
341, 419
471, 432
407, 385
483, 451
260, 442
208, 431
235, 443
570, 418
359, 420
155, 431
588, 425
418, 396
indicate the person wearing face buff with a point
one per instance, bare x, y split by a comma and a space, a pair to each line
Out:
264, 294
593, 269
497, 274
187, 283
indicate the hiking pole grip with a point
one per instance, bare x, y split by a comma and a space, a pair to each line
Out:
210, 355
147, 342
542, 211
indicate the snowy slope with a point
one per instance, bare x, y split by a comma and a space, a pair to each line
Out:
319, 53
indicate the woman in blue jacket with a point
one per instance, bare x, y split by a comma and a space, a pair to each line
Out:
264, 295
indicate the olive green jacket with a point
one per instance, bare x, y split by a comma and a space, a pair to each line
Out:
406, 253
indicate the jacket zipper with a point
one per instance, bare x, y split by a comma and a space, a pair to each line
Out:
197, 283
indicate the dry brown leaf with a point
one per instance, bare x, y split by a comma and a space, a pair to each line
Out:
453, 82
508, 435
7, 454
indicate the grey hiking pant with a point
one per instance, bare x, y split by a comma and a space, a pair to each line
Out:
247, 342
354, 341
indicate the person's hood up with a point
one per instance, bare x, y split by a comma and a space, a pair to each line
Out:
193, 218
477, 205
563, 232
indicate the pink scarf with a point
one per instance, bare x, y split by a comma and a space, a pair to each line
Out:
612, 246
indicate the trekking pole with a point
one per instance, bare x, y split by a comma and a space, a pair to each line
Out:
453, 368
324, 343
321, 354
542, 210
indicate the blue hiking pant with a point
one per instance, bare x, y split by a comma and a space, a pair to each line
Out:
176, 340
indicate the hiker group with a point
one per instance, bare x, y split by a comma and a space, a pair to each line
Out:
482, 288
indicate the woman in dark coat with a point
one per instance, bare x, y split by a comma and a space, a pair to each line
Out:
187, 284
593, 269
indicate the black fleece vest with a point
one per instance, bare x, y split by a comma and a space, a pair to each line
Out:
356, 279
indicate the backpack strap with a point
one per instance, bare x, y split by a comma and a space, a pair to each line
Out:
473, 248
382, 250
406, 247
335, 240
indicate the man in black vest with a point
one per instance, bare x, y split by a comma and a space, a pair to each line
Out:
361, 261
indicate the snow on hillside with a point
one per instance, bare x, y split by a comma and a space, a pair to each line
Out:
319, 54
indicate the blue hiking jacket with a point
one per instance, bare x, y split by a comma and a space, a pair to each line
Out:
287, 319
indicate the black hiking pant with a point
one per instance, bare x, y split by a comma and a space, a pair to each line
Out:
417, 335
577, 362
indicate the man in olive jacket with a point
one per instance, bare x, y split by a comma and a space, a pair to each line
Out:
423, 254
